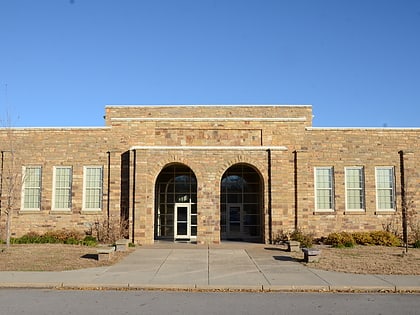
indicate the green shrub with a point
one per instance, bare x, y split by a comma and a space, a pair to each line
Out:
55, 237
416, 244
61, 236
341, 239
363, 238
384, 238
31, 237
90, 241
379, 238
306, 240
73, 234
72, 241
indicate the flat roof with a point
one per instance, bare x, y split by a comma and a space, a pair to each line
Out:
209, 105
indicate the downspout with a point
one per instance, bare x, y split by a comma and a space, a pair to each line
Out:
295, 183
1, 179
270, 215
403, 200
109, 188
133, 207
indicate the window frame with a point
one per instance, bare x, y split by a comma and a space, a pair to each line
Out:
392, 189
100, 188
361, 188
25, 188
69, 188
331, 209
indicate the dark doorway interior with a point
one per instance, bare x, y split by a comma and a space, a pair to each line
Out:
241, 204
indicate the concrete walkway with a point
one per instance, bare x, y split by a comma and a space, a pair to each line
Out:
230, 266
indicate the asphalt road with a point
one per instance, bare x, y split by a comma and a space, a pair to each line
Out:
36, 301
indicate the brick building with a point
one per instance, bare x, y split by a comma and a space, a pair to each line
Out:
210, 173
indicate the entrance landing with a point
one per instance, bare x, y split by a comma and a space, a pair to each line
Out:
244, 264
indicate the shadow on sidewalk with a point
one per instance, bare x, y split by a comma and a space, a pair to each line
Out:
287, 258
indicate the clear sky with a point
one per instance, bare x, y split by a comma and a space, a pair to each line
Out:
357, 62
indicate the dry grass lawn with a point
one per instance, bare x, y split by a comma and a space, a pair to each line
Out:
52, 257
360, 259
369, 260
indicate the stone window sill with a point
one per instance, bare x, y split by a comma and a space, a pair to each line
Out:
324, 212
61, 212
355, 212
91, 212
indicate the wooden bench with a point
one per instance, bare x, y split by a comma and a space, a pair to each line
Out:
105, 253
311, 254
122, 245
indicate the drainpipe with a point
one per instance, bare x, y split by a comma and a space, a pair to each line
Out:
270, 216
295, 183
133, 207
403, 200
1, 178
109, 188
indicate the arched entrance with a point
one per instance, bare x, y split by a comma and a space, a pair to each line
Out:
176, 204
241, 204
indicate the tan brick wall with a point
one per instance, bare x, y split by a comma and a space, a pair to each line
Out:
258, 127
212, 111
369, 148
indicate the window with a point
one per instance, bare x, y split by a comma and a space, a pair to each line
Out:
355, 196
92, 183
62, 188
31, 190
385, 188
324, 189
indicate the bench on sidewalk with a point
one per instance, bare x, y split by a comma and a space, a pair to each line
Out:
122, 245
105, 253
311, 254
293, 246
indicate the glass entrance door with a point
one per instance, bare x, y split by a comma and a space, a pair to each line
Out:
176, 204
241, 207
234, 218
182, 221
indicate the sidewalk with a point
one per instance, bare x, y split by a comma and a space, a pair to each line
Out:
230, 267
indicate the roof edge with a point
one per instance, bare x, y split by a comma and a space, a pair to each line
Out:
362, 128
206, 105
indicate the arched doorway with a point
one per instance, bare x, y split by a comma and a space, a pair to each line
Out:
241, 204
176, 204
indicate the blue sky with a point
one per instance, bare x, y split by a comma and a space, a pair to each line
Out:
357, 62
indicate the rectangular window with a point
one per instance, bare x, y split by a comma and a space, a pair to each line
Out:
31, 188
385, 188
62, 188
324, 189
355, 186
92, 183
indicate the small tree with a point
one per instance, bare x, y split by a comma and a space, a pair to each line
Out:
409, 193
413, 220
10, 178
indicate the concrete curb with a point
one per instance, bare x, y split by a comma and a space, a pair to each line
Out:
295, 288
215, 288
40, 285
